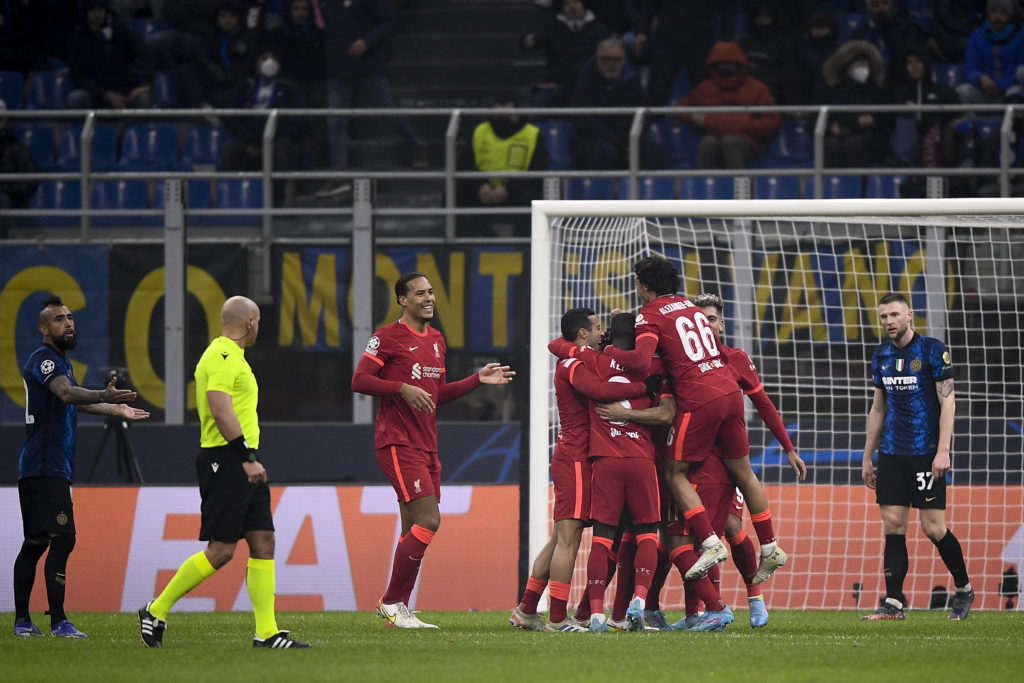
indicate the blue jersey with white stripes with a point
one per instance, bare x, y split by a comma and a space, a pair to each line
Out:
50, 424
908, 377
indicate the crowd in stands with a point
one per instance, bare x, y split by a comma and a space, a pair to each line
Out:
262, 54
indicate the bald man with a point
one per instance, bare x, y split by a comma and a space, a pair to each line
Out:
46, 464
232, 482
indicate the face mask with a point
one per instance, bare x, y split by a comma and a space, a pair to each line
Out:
269, 68
726, 70
859, 73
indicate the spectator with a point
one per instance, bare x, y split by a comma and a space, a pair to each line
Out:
994, 51
814, 46
730, 140
676, 34
602, 142
767, 47
18, 45
107, 65
953, 22
53, 22
568, 41
890, 30
504, 142
855, 75
226, 58
356, 32
925, 139
15, 157
266, 89
301, 45
990, 152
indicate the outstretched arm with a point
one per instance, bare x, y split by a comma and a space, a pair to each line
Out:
770, 415
67, 392
658, 416
366, 381
639, 359
585, 381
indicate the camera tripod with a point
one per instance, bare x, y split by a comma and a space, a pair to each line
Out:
127, 463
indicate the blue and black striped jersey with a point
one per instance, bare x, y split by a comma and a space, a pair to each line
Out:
50, 424
908, 377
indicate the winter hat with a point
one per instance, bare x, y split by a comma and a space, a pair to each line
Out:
1005, 5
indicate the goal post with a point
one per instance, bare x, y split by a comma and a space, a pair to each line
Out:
800, 280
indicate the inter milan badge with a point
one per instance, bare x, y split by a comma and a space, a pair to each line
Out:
915, 365
62, 519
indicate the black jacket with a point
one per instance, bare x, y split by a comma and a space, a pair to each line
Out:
107, 60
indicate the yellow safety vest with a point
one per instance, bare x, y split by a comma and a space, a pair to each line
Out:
504, 154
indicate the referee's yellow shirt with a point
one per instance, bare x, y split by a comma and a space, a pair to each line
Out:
223, 368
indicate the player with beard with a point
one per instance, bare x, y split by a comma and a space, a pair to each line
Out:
404, 365
46, 464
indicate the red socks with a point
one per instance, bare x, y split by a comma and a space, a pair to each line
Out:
406, 566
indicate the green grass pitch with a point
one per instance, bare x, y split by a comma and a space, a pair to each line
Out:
481, 646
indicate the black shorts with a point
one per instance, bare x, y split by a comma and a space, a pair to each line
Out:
46, 506
231, 506
907, 481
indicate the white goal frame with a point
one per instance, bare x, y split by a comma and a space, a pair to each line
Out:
543, 269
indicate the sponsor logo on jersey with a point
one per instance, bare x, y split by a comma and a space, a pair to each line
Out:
915, 365
417, 372
421, 371
46, 367
900, 383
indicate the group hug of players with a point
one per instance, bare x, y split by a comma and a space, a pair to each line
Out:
652, 451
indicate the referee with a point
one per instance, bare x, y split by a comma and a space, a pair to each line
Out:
911, 425
232, 482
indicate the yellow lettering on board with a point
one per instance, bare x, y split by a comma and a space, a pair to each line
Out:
448, 300
802, 290
322, 300
501, 266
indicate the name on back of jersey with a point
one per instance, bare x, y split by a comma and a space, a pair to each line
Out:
676, 306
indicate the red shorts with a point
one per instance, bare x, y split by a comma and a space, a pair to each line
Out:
571, 479
622, 482
413, 473
718, 424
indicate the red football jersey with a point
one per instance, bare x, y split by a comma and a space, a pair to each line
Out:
618, 439
746, 375
742, 368
689, 348
405, 355
573, 414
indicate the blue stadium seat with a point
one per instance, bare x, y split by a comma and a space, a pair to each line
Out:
718, 187
119, 194
950, 73
848, 23
54, 194
144, 27
40, 140
650, 188
556, 140
197, 196
12, 89
48, 89
237, 193
678, 140
104, 147
167, 89
777, 187
793, 147
203, 144
742, 26
987, 127
149, 147
842, 187
884, 186
590, 188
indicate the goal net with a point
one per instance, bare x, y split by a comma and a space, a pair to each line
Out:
801, 281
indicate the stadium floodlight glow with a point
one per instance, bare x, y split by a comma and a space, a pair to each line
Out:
801, 280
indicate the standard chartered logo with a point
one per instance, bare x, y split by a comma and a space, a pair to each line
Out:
417, 372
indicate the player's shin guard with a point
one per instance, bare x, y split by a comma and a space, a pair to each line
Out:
25, 577
54, 570
645, 564
953, 557
895, 564
260, 581
406, 566
190, 574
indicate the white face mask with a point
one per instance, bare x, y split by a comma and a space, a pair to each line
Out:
859, 73
270, 68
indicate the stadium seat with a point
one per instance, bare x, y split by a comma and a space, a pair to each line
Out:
884, 186
777, 187
650, 188
48, 89
40, 140
167, 89
718, 187
202, 147
149, 147
987, 127
793, 147
556, 140
197, 196
54, 194
119, 194
678, 140
590, 188
842, 187
949, 73
104, 148
237, 193
12, 88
